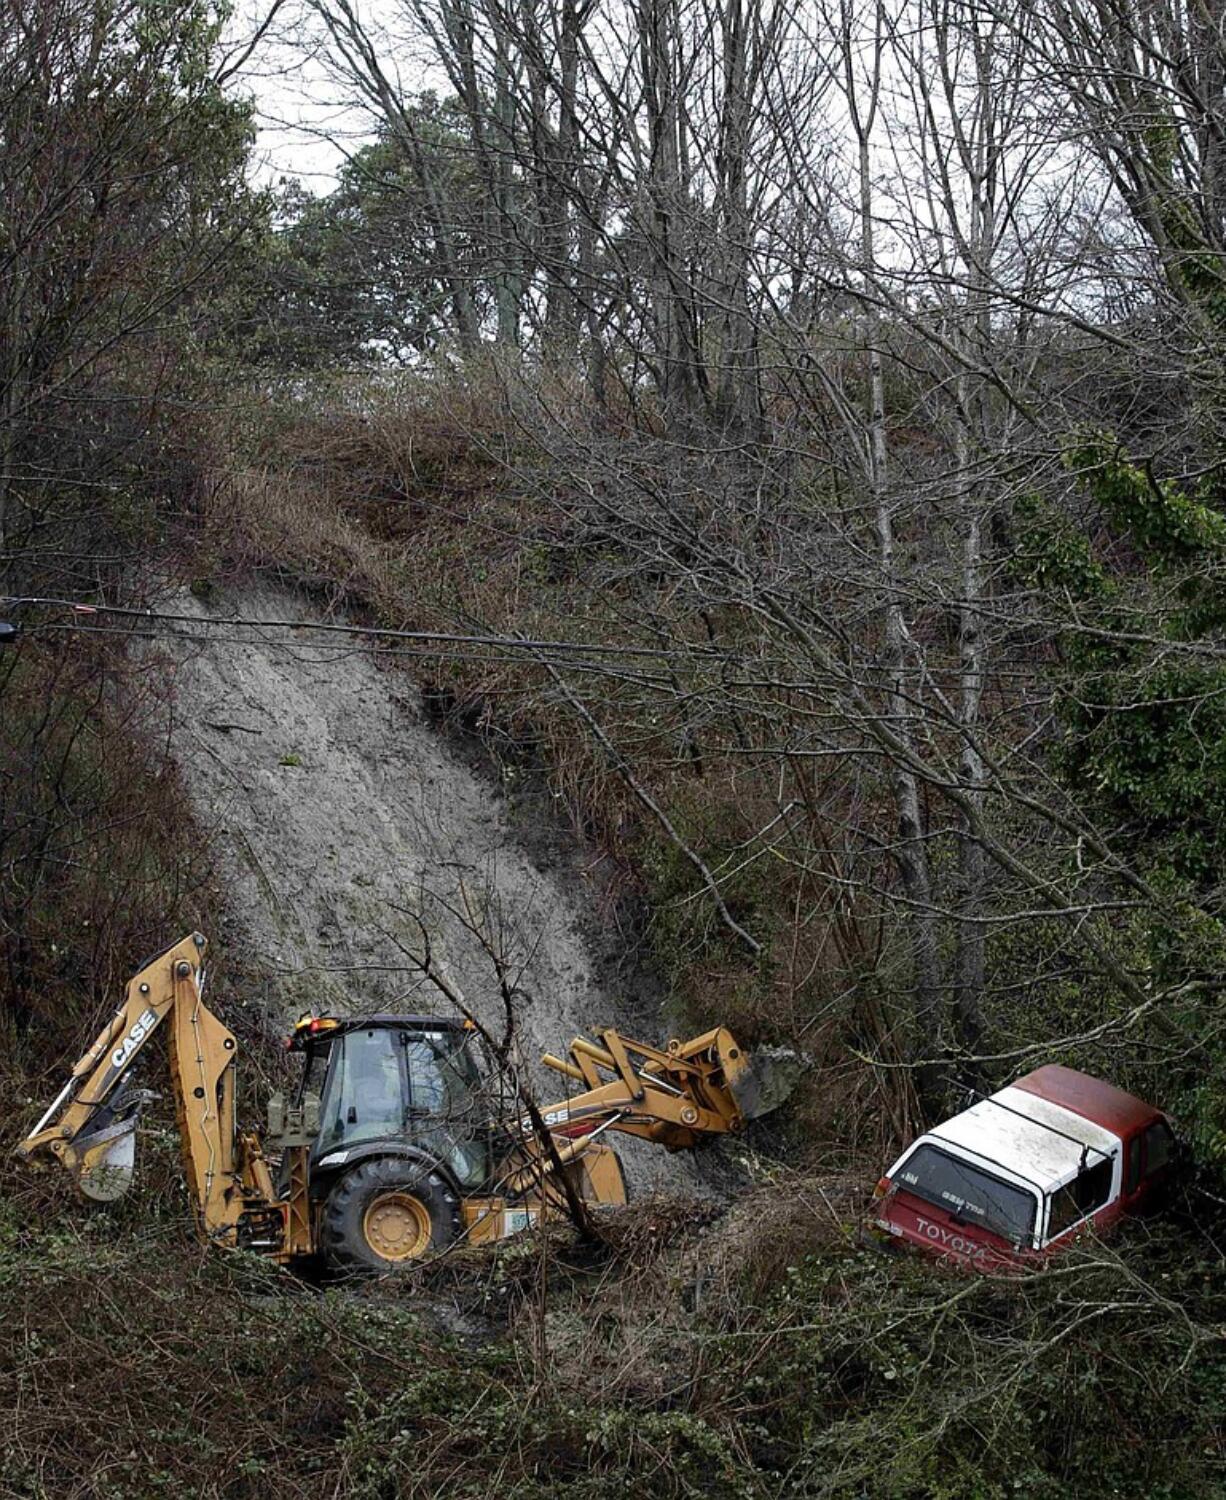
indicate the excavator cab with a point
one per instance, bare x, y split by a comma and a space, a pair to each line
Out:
390, 1082
409, 1148
399, 1134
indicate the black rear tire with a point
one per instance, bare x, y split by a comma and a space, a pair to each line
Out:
388, 1213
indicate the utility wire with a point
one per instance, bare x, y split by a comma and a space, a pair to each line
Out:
509, 642
325, 652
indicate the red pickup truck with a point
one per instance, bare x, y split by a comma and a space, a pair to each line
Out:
1021, 1174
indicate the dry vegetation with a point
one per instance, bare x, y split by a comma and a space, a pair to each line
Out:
744, 1354
748, 1356
435, 509
886, 690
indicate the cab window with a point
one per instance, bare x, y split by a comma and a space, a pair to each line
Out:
441, 1077
445, 1103
1077, 1200
314, 1071
366, 1094
1159, 1147
1132, 1176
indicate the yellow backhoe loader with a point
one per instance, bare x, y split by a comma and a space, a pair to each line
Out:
389, 1149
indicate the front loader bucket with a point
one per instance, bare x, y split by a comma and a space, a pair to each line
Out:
103, 1164
763, 1080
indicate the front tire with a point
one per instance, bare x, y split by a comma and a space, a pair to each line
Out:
386, 1214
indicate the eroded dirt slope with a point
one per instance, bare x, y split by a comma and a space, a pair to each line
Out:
336, 810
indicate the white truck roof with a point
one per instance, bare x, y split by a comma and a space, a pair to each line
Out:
1038, 1141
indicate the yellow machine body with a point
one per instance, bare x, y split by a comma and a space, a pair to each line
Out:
674, 1096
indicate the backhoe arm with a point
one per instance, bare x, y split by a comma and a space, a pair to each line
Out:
673, 1096
89, 1127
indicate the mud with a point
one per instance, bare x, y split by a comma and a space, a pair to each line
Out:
346, 824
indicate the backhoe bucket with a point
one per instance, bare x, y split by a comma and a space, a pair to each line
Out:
104, 1163
763, 1080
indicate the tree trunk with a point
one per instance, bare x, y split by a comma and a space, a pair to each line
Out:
911, 852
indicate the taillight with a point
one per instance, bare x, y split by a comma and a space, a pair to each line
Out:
882, 1188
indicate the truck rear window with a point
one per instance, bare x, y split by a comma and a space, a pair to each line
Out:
1076, 1200
971, 1194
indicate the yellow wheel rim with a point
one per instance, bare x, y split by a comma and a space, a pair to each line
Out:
397, 1227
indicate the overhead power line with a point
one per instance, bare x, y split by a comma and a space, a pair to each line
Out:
441, 637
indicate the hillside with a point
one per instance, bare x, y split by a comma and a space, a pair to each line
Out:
333, 808
698, 516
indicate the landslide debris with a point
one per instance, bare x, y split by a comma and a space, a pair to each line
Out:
340, 817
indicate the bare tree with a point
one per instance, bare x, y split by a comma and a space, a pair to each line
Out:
847, 278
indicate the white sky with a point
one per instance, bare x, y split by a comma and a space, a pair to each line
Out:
305, 126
